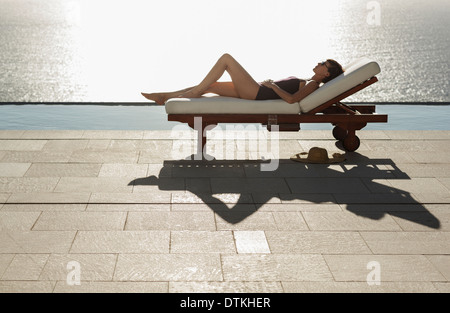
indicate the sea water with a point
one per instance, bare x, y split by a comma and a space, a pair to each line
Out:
109, 51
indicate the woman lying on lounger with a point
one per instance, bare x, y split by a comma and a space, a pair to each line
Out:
243, 86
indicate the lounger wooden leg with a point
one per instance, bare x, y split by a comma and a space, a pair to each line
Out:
339, 133
351, 142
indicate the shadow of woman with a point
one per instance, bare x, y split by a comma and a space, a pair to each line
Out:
318, 183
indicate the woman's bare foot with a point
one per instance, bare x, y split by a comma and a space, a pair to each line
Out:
159, 98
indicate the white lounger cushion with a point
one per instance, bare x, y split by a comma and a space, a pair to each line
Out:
227, 105
355, 73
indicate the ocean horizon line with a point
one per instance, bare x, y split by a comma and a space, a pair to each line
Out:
138, 103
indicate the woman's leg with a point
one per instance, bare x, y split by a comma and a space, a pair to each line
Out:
244, 85
162, 97
225, 89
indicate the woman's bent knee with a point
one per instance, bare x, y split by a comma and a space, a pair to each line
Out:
226, 57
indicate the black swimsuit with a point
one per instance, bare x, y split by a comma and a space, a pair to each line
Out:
290, 84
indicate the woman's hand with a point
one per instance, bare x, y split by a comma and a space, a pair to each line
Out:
268, 83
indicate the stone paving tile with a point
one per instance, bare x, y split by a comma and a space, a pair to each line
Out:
22, 145
129, 207
222, 226
293, 207
330, 145
179, 132
442, 287
198, 185
392, 267
249, 185
81, 221
93, 267
13, 169
432, 198
358, 287
44, 156
96, 145
435, 157
94, 184
11, 134
28, 184
290, 221
273, 268
49, 197
5, 260
112, 287
168, 267
239, 207
424, 170
420, 185
125, 145
244, 220
4, 197
160, 185
373, 134
445, 180
348, 221
121, 242
408, 242
316, 242
159, 170
326, 185
218, 169
424, 220
86, 156
26, 286
170, 221
63, 170
36, 242
202, 242
379, 156
17, 220
398, 145
65, 145
418, 135
52, 134
442, 263
123, 170
225, 287
113, 134
25, 267
39, 207
222, 198
306, 198
395, 197
251, 242
129, 198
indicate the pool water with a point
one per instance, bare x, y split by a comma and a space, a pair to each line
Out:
144, 117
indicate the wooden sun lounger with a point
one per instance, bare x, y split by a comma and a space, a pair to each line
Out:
346, 119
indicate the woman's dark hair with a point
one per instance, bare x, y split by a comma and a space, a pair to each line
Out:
335, 69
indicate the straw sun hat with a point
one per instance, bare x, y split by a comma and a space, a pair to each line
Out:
317, 155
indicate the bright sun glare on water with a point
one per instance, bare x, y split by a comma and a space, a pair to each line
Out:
160, 45
111, 50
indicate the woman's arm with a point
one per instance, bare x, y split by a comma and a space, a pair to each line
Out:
292, 98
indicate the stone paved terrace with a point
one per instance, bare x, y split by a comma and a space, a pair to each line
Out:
137, 219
